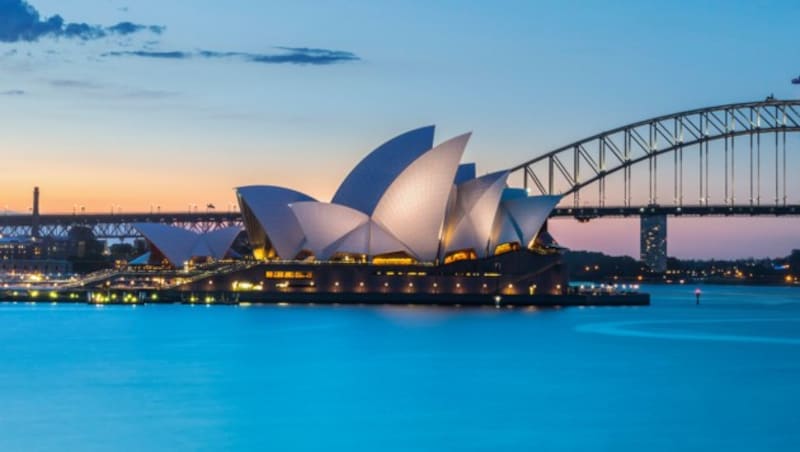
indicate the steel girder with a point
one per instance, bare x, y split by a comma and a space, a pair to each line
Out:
116, 226
569, 169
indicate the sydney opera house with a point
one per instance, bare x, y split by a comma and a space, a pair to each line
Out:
409, 219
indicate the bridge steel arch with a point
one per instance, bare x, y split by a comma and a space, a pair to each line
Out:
622, 148
570, 169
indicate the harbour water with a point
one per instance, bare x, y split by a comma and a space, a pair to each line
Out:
724, 375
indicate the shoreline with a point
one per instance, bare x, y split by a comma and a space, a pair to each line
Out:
143, 297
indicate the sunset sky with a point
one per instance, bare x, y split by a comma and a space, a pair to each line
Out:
154, 103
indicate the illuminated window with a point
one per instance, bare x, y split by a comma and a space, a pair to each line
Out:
393, 259
462, 255
506, 248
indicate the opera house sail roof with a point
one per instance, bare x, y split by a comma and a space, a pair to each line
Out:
407, 199
178, 245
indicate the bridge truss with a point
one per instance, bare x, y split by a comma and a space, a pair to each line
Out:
750, 151
113, 226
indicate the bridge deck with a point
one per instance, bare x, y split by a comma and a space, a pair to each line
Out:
715, 210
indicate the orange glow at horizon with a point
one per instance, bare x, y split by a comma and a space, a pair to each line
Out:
136, 189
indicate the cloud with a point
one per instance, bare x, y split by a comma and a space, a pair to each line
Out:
19, 21
149, 54
109, 90
127, 28
147, 94
12, 92
76, 84
289, 55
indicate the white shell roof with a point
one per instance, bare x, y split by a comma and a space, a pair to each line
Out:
174, 243
520, 219
472, 218
332, 228
219, 241
324, 224
413, 207
354, 242
504, 229
382, 241
363, 187
270, 205
179, 245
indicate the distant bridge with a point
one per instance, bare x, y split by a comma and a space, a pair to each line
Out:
570, 169
588, 213
113, 226
733, 158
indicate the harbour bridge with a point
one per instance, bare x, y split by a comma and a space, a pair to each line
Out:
733, 159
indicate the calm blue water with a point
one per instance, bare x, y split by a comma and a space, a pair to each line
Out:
673, 376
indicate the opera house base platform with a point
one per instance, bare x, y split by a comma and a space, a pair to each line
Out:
135, 298
518, 278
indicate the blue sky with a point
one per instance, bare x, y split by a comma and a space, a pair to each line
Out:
89, 118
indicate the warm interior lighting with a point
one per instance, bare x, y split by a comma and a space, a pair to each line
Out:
393, 259
506, 248
462, 255
289, 275
349, 258
259, 254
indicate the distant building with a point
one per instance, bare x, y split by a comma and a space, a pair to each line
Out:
33, 255
79, 252
653, 242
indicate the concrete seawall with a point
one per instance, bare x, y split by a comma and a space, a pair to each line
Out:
133, 297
